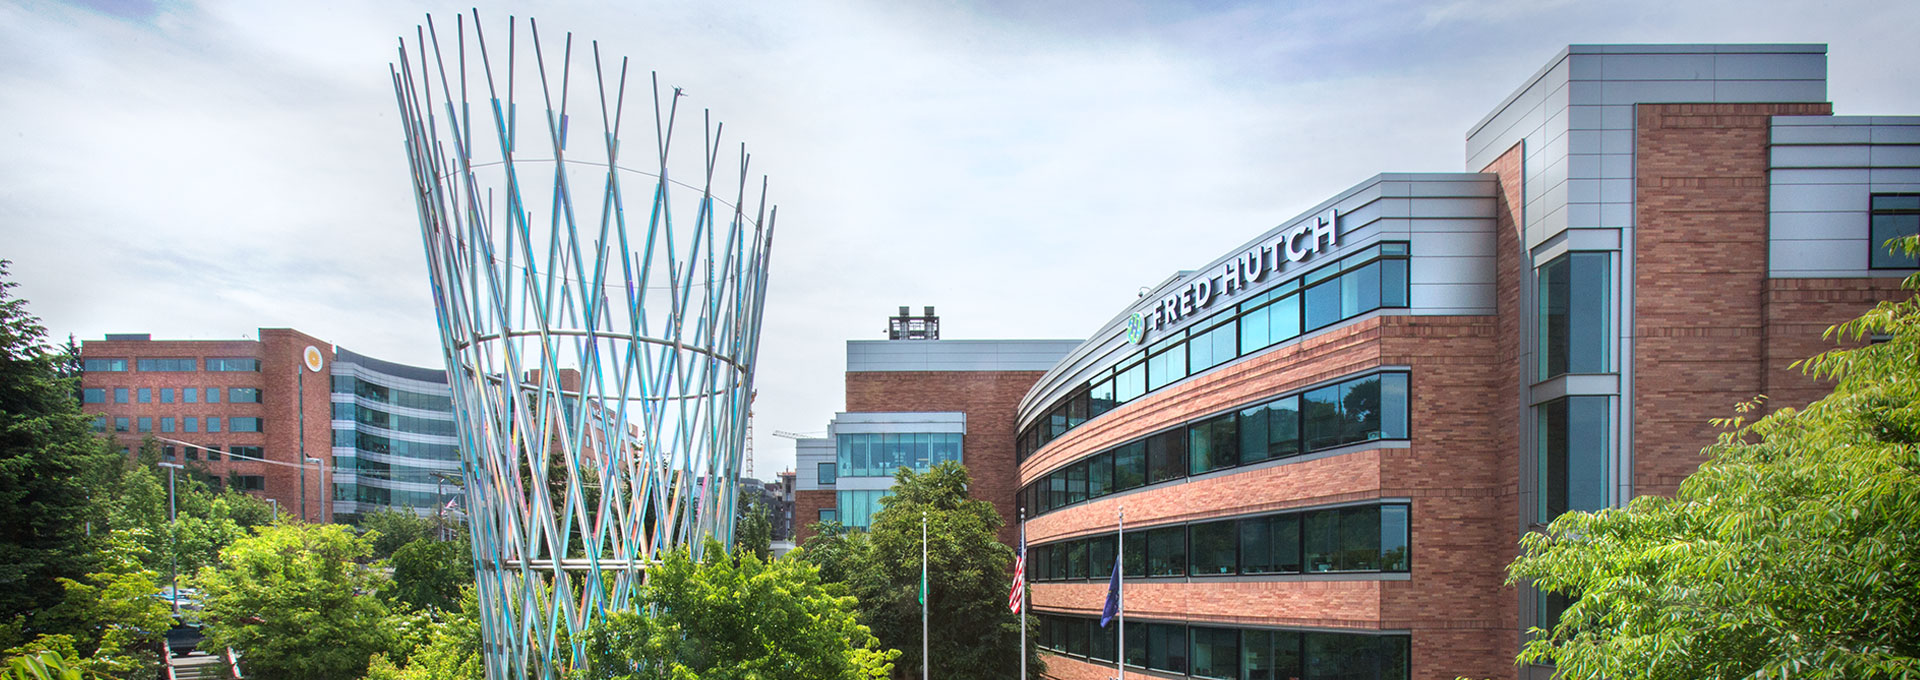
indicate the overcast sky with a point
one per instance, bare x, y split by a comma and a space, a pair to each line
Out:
200, 170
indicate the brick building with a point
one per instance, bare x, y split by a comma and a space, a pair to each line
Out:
1328, 441
916, 400
381, 432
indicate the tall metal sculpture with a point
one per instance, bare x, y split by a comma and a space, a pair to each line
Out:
602, 363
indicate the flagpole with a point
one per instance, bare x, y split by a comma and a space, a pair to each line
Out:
1120, 559
925, 663
1023, 599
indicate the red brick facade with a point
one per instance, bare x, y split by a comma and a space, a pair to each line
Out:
278, 351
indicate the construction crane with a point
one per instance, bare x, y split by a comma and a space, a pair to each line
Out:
796, 435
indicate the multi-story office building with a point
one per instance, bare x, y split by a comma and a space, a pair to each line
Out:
1328, 441
379, 434
915, 402
230, 408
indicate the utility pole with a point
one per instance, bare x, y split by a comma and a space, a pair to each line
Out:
173, 538
301, 380
925, 663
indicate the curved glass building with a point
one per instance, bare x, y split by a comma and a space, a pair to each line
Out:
394, 446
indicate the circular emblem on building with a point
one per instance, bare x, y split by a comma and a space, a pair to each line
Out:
312, 357
1136, 328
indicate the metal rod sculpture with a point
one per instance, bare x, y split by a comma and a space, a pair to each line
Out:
602, 370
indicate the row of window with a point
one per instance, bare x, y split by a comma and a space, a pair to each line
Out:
1350, 539
1347, 412
878, 455
1231, 653
367, 441
178, 365
165, 395
168, 424
395, 422
389, 497
1372, 279
212, 452
346, 384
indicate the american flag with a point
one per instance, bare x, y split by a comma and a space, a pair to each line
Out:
1018, 598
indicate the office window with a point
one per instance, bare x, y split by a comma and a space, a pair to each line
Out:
146, 424
1166, 367
120, 424
213, 395
1394, 553
1167, 551
1270, 545
99, 423
1213, 444
189, 424
146, 395
166, 424
120, 395
1076, 559
1167, 647
166, 452
1359, 539
93, 395
1216, 653
1136, 650
1130, 466
1270, 430
213, 423
166, 365
249, 482
1133, 562
1077, 407
1100, 399
103, 365
1215, 548
1323, 304
1100, 560
1572, 455
233, 365
1894, 216
213, 453
166, 395
1269, 654
1321, 412
828, 473
859, 506
829, 515
1213, 347
1130, 382
190, 395
1575, 313
243, 395
1166, 456
1335, 655
1077, 482
1105, 641
253, 452
192, 453
238, 424
1057, 489
1100, 475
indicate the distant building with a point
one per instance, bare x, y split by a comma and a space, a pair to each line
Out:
381, 433
914, 402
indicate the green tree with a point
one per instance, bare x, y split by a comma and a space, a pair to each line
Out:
297, 602
734, 619
47, 456
112, 622
1793, 552
753, 528
208, 521
838, 551
429, 574
451, 650
390, 529
968, 574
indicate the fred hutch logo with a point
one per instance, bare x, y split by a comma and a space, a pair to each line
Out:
1238, 273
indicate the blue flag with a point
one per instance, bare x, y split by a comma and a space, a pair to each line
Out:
1113, 595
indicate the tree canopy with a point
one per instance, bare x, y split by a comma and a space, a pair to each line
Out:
1793, 552
734, 619
296, 600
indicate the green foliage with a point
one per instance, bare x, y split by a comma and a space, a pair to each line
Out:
753, 528
734, 619
450, 651
297, 602
113, 623
390, 529
208, 521
1792, 552
46, 665
48, 455
429, 574
969, 573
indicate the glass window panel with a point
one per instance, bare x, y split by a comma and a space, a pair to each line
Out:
1104, 641
1283, 319
1166, 456
103, 365
213, 424
1135, 559
1136, 644
1057, 488
1167, 551
166, 424
213, 395
1100, 475
1167, 367
1077, 482
1076, 559
1216, 653
190, 425
1130, 383
1256, 546
1321, 413
1057, 420
1572, 455
1059, 563
1129, 466
1214, 444
1077, 407
1100, 399
1574, 315
1253, 330
166, 395
190, 395
1323, 305
120, 395
93, 395
1215, 548
1896, 202
173, 365
1167, 647
1360, 410
1359, 539
828, 473
1077, 636
1394, 403
1322, 529
1393, 283
120, 425
1100, 561
1886, 228
1253, 434
1360, 290
1042, 562
146, 395
1286, 543
1394, 553
146, 424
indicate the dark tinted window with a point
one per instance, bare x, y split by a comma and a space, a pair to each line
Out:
1214, 444
1215, 548
1167, 551
1166, 456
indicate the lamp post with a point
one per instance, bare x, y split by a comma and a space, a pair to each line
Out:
275, 502
173, 539
319, 468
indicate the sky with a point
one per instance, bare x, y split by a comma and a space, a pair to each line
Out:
199, 170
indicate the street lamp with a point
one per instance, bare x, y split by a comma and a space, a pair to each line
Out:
275, 502
318, 469
173, 538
